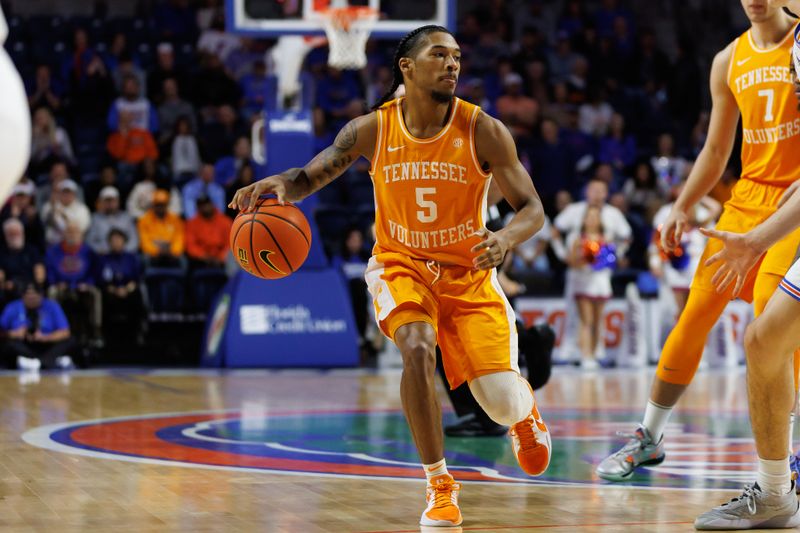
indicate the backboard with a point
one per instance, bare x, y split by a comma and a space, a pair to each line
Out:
271, 18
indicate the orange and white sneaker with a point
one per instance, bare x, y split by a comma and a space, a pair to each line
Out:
442, 498
530, 441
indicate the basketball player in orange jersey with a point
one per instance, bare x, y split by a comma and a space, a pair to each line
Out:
769, 342
750, 76
432, 274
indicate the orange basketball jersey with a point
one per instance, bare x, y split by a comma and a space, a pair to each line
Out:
430, 194
763, 87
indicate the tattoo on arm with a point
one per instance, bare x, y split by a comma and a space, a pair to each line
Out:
326, 165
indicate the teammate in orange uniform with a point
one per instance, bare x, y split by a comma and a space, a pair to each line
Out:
432, 274
751, 75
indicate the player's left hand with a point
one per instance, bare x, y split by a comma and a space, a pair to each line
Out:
494, 247
738, 256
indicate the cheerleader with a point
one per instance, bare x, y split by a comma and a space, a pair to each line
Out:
591, 260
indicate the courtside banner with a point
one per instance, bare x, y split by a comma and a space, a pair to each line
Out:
303, 320
634, 330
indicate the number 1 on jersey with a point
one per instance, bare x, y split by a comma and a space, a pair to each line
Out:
429, 205
770, 94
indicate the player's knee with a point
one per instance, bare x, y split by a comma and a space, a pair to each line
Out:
419, 354
504, 410
759, 349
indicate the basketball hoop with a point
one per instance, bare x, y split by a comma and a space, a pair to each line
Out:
348, 29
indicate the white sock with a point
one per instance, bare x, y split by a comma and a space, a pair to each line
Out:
436, 469
791, 433
774, 477
655, 419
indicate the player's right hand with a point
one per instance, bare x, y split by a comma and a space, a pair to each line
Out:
672, 230
246, 197
738, 256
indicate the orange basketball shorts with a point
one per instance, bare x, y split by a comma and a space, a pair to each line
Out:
474, 322
750, 204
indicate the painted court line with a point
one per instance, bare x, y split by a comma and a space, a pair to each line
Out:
542, 526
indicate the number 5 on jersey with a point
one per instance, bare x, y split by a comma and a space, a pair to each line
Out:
429, 211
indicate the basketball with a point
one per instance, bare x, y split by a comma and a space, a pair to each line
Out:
272, 241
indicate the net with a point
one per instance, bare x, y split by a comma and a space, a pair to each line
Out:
348, 29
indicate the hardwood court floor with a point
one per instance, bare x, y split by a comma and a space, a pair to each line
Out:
329, 452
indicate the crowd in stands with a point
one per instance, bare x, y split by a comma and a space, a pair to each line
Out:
141, 137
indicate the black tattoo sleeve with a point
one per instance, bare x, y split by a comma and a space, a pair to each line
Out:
326, 166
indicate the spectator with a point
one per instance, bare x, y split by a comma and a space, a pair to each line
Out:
131, 144
172, 109
517, 111
47, 92
90, 86
141, 198
119, 275
642, 191
22, 207
175, 21
606, 17
20, 263
207, 236
594, 117
37, 332
185, 153
114, 55
562, 59
530, 48
670, 168
536, 79
202, 185
227, 168
110, 217
253, 87
63, 210
335, 92
559, 107
551, 164
215, 40
244, 177
142, 114
49, 142
651, 65
475, 92
161, 233
127, 68
573, 20
212, 87
592, 261
352, 262
107, 178
70, 273
165, 69
217, 138
617, 148
58, 173
578, 81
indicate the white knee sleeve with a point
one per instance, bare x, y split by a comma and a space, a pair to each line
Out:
15, 126
504, 396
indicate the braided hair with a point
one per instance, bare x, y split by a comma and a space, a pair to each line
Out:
404, 48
